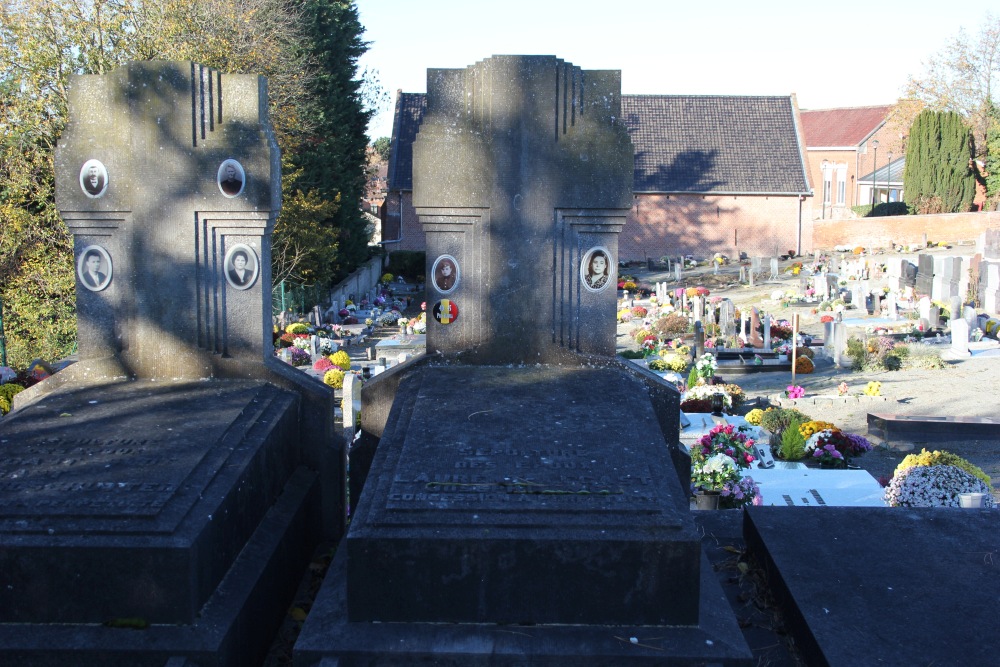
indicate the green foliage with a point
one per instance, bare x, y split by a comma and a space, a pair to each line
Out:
776, 420
875, 353
7, 393
993, 156
920, 356
692, 377
408, 263
631, 354
882, 209
938, 177
382, 146
793, 445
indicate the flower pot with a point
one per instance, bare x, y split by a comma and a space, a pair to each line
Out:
972, 500
707, 500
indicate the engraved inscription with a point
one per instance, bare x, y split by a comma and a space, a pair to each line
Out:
87, 477
556, 477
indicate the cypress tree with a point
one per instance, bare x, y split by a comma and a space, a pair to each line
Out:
331, 161
939, 177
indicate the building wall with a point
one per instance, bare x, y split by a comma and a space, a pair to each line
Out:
675, 225
903, 229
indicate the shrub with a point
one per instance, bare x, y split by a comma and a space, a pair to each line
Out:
804, 365
776, 420
920, 356
942, 458
793, 445
692, 377
671, 325
334, 379
8, 392
933, 486
342, 359
877, 353
631, 354
410, 263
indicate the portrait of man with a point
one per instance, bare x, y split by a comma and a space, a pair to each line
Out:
93, 178
595, 269
445, 273
93, 268
231, 178
241, 266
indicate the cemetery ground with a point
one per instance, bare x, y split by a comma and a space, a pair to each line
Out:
961, 388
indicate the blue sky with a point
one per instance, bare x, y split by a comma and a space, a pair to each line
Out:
843, 53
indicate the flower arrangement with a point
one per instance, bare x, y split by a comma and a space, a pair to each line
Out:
639, 311
705, 392
794, 391
842, 389
300, 357
671, 325
754, 417
812, 426
386, 278
341, 359
302, 343
649, 344
781, 329
725, 439
692, 292
624, 315
669, 362
626, 285
938, 458
804, 365
705, 366
977, 334
679, 346
297, 328
714, 472
334, 378
826, 318
388, 318
827, 447
323, 365
933, 486
735, 495
873, 389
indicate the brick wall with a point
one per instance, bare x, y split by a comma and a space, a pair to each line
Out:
902, 229
699, 225
675, 225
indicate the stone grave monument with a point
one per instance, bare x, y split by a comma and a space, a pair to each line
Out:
177, 477
504, 520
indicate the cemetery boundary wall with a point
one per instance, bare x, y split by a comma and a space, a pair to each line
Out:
882, 232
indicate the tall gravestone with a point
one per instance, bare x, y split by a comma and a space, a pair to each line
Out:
497, 494
177, 475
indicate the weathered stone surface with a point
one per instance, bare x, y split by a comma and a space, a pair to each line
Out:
915, 597
522, 174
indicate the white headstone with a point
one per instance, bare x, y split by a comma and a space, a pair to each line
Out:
891, 312
924, 308
857, 296
352, 400
969, 315
960, 338
774, 268
677, 271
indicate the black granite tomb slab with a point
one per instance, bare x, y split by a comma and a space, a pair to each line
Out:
882, 586
507, 481
152, 487
143, 502
329, 637
927, 428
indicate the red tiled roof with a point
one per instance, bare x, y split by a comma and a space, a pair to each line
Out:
841, 127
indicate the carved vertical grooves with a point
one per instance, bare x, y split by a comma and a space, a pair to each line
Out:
565, 97
211, 102
556, 97
218, 87
194, 105
199, 281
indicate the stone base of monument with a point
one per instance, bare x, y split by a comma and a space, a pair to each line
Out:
522, 513
929, 428
917, 595
178, 508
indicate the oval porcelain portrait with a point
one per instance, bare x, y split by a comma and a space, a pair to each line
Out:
93, 178
231, 178
93, 268
241, 266
596, 269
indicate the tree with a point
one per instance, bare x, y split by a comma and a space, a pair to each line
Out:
939, 177
992, 161
332, 158
963, 77
381, 146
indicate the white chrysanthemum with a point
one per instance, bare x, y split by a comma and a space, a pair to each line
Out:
933, 486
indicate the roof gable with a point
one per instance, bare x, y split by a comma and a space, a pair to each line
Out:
714, 144
849, 126
683, 143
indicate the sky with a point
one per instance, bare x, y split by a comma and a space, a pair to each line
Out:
832, 54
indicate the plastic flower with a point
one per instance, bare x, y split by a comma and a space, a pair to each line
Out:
794, 391
873, 389
842, 389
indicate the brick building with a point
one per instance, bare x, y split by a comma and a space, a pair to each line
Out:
851, 152
712, 174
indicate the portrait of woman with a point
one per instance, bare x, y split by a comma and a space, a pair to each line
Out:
231, 178
93, 268
595, 269
445, 273
241, 266
93, 178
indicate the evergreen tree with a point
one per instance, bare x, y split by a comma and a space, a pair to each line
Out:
992, 177
332, 159
939, 176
